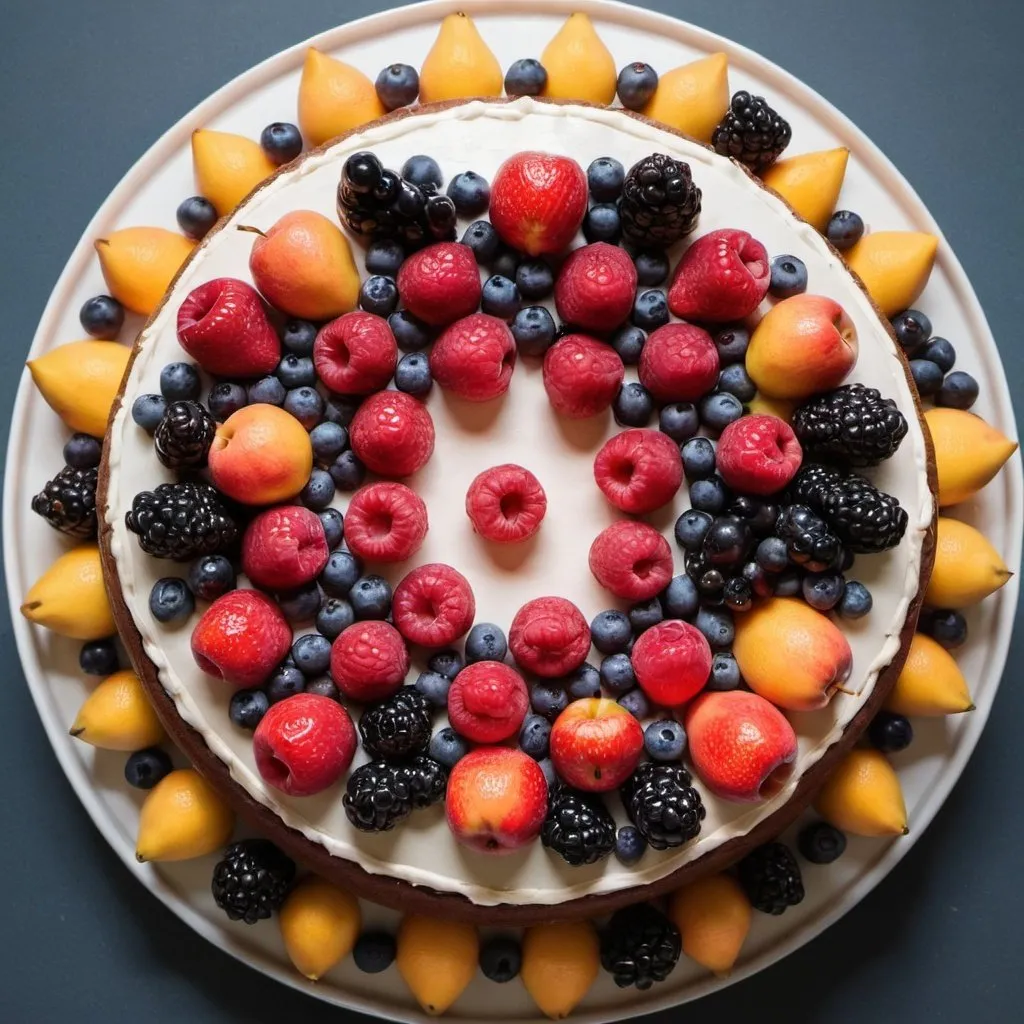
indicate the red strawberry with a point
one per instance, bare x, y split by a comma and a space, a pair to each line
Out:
392, 434
639, 470
631, 559
549, 637
284, 547
538, 201
474, 358
369, 660
679, 362
581, 376
355, 354
441, 283
722, 276
596, 287
758, 454
385, 522
506, 503
433, 605
487, 702
672, 661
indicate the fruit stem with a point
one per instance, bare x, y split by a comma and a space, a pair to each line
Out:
76, 732
255, 231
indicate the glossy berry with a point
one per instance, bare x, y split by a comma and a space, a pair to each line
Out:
247, 708
636, 85
927, 376
500, 297
340, 574
610, 631
691, 528
306, 405
941, 353
534, 736
506, 262
374, 952
500, 959
945, 626
370, 597
434, 687
397, 85
296, 371
548, 699
636, 703
605, 177
912, 329
483, 239
845, 229
679, 421
384, 256
334, 617
378, 295
717, 411
447, 747
630, 845
281, 141
312, 654
856, 600
525, 77
145, 768
533, 329
347, 471
171, 601
645, 614
410, 334
422, 170
727, 541
772, 554
286, 681
633, 406
470, 193
583, 682
328, 441
101, 317
735, 380
179, 382
725, 672
446, 663
650, 309
298, 337
617, 675
535, 279
823, 591
412, 374
302, 605
602, 223
82, 451
267, 391
890, 733
788, 277
628, 340
211, 576
680, 600
789, 583
98, 658
195, 216
225, 399
732, 344
485, 642
324, 687
959, 391
698, 458
821, 843
717, 626
334, 526
664, 740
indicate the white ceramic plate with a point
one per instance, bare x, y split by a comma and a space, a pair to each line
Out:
149, 194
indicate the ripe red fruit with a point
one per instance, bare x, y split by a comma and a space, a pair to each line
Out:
440, 283
639, 470
596, 744
581, 376
538, 201
758, 454
679, 362
433, 605
631, 559
474, 358
672, 661
596, 287
487, 702
385, 522
722, 276
369, 660
392, 434
355, 354
506, 503
284, 547
549, 636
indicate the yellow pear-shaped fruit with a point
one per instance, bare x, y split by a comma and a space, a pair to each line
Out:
692, 98
579, 65
967, 568
437, 959
894, 266
80, 381
182, 817
863, 796
968, 452
931, 682
560, 963
765, 405
139, 264
334, 98
319, 924
70, 597
460, 64
713, 918
117, 715
810, 183
227, 167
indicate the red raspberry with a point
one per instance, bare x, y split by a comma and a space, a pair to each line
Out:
385, 522
392, 433
581, 376
679, 362
355, 354
433, 605
549, 637
638, 470
672, 661
595, 287
506, 503
722, 276
474, 358
284, 547
758, 454
369, 660
441, 283
487, 702
632, 560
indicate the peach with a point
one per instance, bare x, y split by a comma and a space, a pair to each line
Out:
803, 344
790, 654
595, 744
260, 455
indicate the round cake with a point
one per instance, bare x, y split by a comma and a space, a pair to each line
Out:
839, 668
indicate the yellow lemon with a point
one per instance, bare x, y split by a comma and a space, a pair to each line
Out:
70, 597
182, 817
894, 266
810, 183
967, 567
319, 924
692, 98
863, 796
560, 963
713, 918
117, 715
459, 64
437, 959
931, 682
968, 452
334, 98
139, 264
579, 65
227, 167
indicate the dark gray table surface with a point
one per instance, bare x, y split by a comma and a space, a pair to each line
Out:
86, 88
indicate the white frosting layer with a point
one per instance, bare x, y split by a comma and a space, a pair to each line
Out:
518, 428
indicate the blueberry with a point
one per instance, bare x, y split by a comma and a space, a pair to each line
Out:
645, 614
709, 495
602, 223
370, 597
362, 172
717, 626
312, 654
584, 682
633, 405
772, 554
101, 317
650, 309
500, 959
412, 375
334, 617
691, 528
820, 842
727, 541
485, 642
788, 277
617, 675
225, 399
525, 77
789, 583
630, 846
422, 170
447, 747
506, 262
267, 391
890, 733
856, 600
447, 663
725, 672
302, 604
384, 257
535, 279
680, 600
679, 421
397, 85
636, 703
434, 687
170, 600
500, 297
378, 295
651, 268
605, 177
179, 382
735, 380
823, 591
927, 376
441, 217
636, 85
296, 371
98, 658
698, 458
941, 353
82, 451
483, 239
548, 698
298, 337
196, 216
281, 141
550, 775
628, 340
664, 740
145, 768
845, 229
324, 686
410, 334
610, 631
340, 573
470, 193
732, 344
247, 708
286, 681
912, 329
374, 952
328, 441
341, 409
717, 411
306, 405
946, 626
534, 736
959, 391
347, 471
211, 576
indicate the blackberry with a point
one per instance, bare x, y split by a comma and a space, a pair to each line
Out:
661, 803
751, 132
660, 203
578, 828
811, 483
181, 521
865, 519
184, 435
852, 424
398, 727
640, 946
809, 541
380, 795
770, 877
68, 502
252, 879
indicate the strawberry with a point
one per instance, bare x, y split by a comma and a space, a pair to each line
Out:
639, 470
369, 660
679, 362
355, 354
758, 454
474, 358
506, 503
385, 522
549, 636
723, 276
392, 434
581, 376
433, 605
441, 283
487, 702
631, 559
596, 287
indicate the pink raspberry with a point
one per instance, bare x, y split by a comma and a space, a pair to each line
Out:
638, 470
506, 503
369, 660
549, 637
440, 283
631, 559
487, 702
679, 362
392, 434
474, 358
596, 287
433, 605
758, 454
581, 376
385, 522
355, 354
284, 547
672, 661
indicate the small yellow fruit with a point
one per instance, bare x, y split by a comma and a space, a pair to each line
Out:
319, 924
863, 796
334, 98
437, 959
117, 715
713, 918
765, 405
968, 452
560, 963
810, 183
181, 818
139, 264
227, 167
80, 381
460, 64
70, 597
967, 567
579, 65
930, 684
894, 266
692, 98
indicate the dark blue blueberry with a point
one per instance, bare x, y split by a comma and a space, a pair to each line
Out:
500, 297
679, 421
821, 843
286, 681
651, 268
281, 141
334, 617
927, 376
483, 239
583, 682
312, 654
680, 600
301, 605
636, 703
225, 399
762, 584
941, 353
650, 309
732, 343
506, 262
195, 216
709, 495
347, 471
645, 614
602, 223
441, 218
630, 846
664, 740
535, 279
534, 736
617, 675
525, 77
890, 733
610, 631
550, 775
486, 642
145, 768
912, 329
845, 229
789, 583
296, 371
447, 747
717, 626
101, 317
81, 451
725, 672
823, 591
717, 411
410, 334
698, 458
470, 193
397, 85
633, 405
788, 277
324, 687
772, 554
247, 708
605, 177
735, 380
728, 540
384, 256
500, 959
636, 85
447, 663
179, 382
362, 172
211, 576
422, 170
329, 440
98, 658
306, 405
548, 698
959, 391
298, 337
340, 573
434, 687
378, 295
628, 340
856, 601
170, 600
945, 626
370, 597
319, 490
412, 374
267, 391
374, 952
